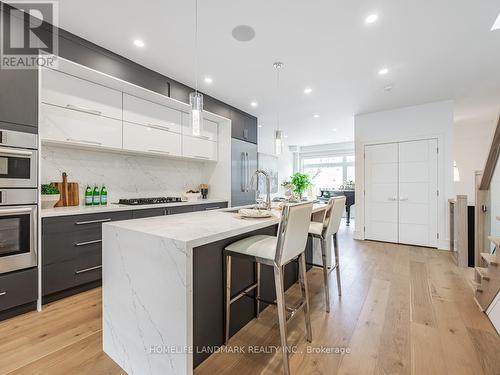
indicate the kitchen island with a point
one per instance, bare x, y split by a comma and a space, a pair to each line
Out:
163, 287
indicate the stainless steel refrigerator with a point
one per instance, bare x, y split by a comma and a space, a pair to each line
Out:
243, 166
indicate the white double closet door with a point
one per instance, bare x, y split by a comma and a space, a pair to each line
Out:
401, 191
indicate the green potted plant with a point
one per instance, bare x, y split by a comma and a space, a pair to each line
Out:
50, 196
300, 183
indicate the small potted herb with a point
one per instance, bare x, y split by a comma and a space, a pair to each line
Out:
300, 183
50, 196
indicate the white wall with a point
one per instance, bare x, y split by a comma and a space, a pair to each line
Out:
471, 147
434, 120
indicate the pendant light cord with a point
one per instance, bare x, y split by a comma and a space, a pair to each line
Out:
196, 46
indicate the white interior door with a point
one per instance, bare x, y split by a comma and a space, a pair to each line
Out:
418, 192
381, 192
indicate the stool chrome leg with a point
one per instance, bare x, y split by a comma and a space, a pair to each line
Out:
305, 295
280, 299
228, 298
325, 274
337, 266
257, 291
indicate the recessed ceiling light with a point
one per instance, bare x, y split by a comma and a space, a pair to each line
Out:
254, 104
383, 71
139, 43
259, 126
371, 18
243, 33
316, 116
334, 129
208, 80
496, 25
285, 136
308, 90
388, 87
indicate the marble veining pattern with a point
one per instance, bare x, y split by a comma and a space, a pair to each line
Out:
145, 302
125, 176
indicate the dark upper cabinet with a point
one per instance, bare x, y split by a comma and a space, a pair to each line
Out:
243, 126
19, 97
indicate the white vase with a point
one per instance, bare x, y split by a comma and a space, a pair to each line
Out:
49, 200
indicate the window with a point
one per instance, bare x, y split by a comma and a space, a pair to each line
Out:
328, 172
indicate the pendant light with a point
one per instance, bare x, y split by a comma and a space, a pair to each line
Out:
196, 98
278, 134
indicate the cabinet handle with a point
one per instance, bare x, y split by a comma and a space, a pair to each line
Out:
245, 133
84, 109
201, 157
211, 208
84, 141
159, 127
159, 151
92, 221
204, 137
87, 243
78, 272
3, 293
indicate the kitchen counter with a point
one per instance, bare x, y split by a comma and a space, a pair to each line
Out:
113, 207
148, 277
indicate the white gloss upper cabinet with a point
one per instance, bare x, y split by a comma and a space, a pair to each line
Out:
208, 131
78, 94
58, 124
151, 140
144, 112
198, 148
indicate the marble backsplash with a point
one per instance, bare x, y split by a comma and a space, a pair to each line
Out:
125, 176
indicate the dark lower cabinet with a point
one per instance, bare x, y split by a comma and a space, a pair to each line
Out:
72, 247
18, 292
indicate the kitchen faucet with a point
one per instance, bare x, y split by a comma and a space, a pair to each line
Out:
268, 185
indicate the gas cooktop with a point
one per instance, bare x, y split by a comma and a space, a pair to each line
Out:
141, 201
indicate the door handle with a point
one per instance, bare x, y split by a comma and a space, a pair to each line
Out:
83, 109
87, 243
78, 272
242, 171
3, 293
247, 172
84, 141
92, 221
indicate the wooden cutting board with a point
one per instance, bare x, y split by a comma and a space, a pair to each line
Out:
70, 193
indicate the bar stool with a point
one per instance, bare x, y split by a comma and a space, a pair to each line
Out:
276, 251
323, 231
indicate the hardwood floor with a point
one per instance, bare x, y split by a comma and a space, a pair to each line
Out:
404, 310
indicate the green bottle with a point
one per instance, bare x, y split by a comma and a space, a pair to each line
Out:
104, 195
96, 197
88, 196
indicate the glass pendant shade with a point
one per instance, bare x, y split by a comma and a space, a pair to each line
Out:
278, 142
196, 101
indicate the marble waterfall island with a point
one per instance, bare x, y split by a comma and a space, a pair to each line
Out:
163, 287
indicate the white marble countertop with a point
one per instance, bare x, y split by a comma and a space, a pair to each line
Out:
79, 210
199, 228
148, 285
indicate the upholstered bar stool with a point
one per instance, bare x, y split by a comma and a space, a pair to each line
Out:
276, 251
324, 231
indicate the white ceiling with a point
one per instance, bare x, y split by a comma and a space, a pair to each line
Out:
434, 49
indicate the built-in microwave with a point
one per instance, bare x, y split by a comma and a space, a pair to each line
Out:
18, 159
18, 229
